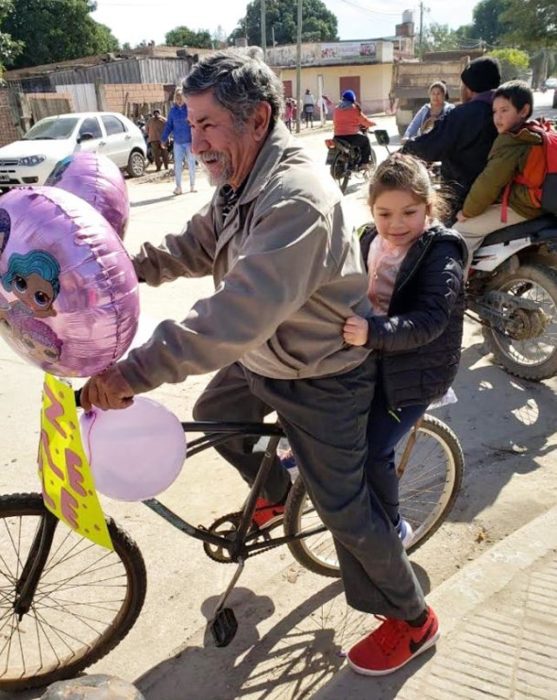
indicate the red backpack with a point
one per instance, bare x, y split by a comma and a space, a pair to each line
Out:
540, 171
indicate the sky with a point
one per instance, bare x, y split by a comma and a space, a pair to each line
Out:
136, 20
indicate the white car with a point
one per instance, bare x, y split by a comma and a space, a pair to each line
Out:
31, 160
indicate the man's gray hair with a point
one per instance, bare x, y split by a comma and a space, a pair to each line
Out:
239, 83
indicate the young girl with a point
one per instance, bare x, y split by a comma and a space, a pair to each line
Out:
415, 269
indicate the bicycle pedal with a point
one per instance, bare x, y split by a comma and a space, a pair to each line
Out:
224, 627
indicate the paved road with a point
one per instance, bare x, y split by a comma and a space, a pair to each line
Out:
508, 432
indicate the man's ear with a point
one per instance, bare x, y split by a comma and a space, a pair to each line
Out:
262, 118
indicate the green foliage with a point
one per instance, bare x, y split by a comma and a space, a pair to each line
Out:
182, 36
318, 23
9, 47
56, 30
514, 63
532, 24
490, 23
439, 37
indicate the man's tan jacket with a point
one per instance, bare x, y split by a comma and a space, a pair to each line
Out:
287, 271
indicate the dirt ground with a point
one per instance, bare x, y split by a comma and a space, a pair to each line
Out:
507, 430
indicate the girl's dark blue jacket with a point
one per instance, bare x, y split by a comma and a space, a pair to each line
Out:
418, 343
177, 124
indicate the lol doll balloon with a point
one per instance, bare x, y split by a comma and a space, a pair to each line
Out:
97, 180
68, 292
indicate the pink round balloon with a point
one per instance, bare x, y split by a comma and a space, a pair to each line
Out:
97, 180
69, 299
134, 453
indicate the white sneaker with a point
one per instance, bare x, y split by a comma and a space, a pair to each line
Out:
178, 190
405, 532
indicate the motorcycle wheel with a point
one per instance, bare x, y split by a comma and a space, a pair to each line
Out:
340, 171
532, 358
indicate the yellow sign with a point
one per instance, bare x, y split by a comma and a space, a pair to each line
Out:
68, 487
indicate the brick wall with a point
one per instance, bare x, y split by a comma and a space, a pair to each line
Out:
121, 98
8, 130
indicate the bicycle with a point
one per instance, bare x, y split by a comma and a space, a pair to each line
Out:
48, 631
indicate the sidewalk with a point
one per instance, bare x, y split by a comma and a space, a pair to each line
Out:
499, 630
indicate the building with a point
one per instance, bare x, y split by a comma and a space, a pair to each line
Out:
329, 68
133, 83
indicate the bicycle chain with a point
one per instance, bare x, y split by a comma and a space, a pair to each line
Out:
220, 554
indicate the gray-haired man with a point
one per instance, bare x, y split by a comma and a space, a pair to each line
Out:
287, 274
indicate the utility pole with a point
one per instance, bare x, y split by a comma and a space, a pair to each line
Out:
421, 42
263, 30
299, 69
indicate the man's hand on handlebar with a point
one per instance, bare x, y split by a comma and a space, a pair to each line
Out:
107, 390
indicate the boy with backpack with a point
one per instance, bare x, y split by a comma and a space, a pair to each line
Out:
509, 189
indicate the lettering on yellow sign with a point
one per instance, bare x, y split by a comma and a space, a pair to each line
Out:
67, 483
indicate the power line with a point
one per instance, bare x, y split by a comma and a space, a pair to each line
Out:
370, 11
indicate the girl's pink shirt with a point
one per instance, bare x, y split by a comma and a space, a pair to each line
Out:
383, 263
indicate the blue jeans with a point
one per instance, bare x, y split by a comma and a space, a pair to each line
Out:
181, 152
384, 432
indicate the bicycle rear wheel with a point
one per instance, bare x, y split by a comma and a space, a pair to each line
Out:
428, 490
86, 601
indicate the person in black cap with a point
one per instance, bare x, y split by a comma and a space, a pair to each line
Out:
463, 138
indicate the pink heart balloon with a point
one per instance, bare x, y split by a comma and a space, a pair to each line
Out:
97, 180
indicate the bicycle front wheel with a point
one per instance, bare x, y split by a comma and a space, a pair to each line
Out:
428, 489
86, 601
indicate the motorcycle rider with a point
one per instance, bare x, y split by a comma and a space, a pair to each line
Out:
348, 121
463, 138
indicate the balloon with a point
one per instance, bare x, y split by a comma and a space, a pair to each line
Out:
69, 298
134, 453
97, 180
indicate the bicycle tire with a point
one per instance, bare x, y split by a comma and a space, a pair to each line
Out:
24, 644
317, 553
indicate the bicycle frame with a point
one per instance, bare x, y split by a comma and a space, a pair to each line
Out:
215, 433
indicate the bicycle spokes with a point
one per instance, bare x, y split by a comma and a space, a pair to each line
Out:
80, 593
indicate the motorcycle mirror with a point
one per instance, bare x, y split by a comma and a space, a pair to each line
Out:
382, 137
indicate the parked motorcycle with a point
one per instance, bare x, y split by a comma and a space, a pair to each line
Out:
345, 158
512, 290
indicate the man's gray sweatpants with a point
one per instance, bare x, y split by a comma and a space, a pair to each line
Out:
325, 420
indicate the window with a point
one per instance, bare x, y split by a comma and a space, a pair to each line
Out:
113, 125
91, 126
52, 128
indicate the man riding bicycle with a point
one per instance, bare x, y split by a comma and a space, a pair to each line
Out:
287, 274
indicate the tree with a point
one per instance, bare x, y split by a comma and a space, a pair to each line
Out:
532, 24
9, 48
490, 23
438, 37
318, 23
514, 63
57, 30
182, 36
543, 63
